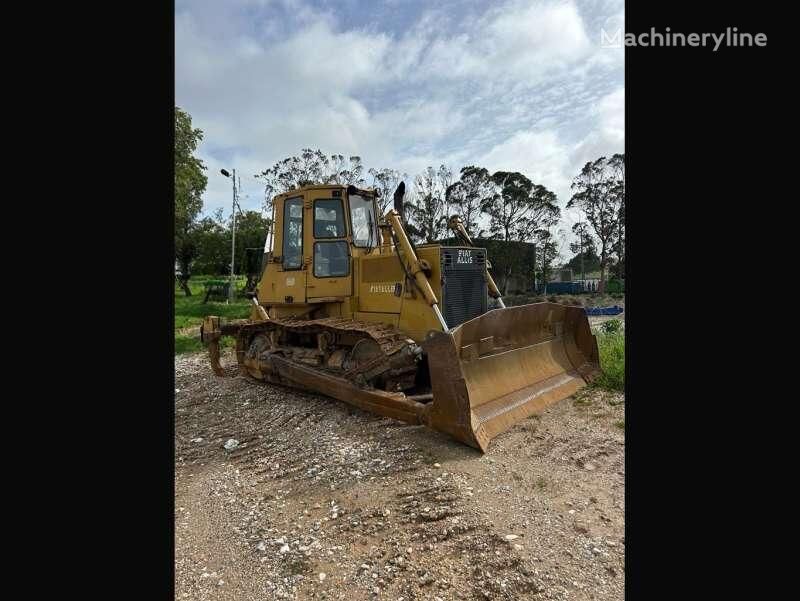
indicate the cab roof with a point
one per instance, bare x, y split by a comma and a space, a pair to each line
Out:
321, 187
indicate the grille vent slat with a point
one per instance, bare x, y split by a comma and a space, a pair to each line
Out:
465, 294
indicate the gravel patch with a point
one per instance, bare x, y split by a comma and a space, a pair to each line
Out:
319, 500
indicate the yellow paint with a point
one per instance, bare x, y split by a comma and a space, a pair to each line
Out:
390, 318
367, 293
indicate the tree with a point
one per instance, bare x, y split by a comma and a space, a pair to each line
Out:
585, 263
190, 183
385, 182
546, 254
212, 237
519, 210
444, 179
344, 171
310, 167
427, 219
472, 191
213, 241
293, 172
584, 249
251, 232
600, 194
618, 268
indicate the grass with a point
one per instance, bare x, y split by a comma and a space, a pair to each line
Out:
612, 360
190, 311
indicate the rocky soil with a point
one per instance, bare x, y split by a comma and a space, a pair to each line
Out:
281, 494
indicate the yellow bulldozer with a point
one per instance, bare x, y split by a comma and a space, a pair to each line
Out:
348, 306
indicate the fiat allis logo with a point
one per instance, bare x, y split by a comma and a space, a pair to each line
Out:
387, 288
464, 256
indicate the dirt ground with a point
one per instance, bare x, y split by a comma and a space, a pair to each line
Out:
320, 500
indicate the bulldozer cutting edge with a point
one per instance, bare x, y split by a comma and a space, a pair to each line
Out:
400, 358
505, 365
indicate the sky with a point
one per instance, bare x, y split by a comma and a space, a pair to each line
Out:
522, 85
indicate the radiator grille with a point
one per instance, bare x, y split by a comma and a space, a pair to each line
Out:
464, 289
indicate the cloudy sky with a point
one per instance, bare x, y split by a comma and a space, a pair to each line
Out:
522, 85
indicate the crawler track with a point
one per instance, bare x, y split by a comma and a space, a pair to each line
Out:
368, 355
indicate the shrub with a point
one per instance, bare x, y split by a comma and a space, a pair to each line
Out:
611, 326
612, 360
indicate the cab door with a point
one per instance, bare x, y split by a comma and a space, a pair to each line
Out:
284, 279
330, 273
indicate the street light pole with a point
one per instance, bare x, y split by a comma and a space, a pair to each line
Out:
232, 286
233, 240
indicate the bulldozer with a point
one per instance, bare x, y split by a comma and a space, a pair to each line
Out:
350, 307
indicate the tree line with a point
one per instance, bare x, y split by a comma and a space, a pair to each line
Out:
203, 244
501, 206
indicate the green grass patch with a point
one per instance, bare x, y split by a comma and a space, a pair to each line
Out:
612, 360
611, 326
190, 311
192, 344
187, 344
620, 424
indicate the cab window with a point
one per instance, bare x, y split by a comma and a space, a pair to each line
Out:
329, 218
363, 221
331, 259
293, 233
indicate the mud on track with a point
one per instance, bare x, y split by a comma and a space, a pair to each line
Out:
323, 501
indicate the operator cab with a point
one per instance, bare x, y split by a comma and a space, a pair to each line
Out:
333, 209
318, 230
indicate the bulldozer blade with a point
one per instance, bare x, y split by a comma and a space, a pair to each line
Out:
497, 369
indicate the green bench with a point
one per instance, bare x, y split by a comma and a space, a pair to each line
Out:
216, 290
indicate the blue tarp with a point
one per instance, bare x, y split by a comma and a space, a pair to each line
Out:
615, 310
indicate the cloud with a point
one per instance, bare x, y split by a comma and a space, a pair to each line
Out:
539, 155
515, 86
607, 136
515, 41
543, 156
547, 159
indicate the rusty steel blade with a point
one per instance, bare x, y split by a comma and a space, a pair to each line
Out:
492, 371
486, 375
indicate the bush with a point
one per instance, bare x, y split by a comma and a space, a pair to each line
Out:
612, 359
611, 326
